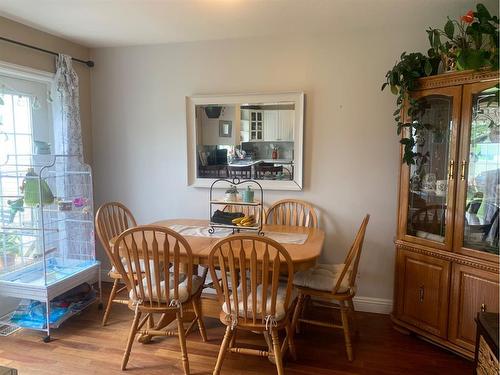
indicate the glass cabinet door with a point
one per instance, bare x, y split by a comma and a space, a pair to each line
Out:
430, 181
479, 181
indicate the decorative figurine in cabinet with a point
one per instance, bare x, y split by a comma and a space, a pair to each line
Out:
448, 219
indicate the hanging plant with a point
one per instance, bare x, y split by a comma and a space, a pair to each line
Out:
402, 78
471, 43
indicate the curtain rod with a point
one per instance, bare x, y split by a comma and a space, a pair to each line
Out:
89, 63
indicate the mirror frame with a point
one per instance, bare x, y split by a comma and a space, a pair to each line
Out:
236, 99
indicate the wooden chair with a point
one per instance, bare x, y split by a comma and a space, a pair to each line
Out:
243, 173
292, 212
337, 282
268, 170
429, 219
258, 260
111, 220
163, 288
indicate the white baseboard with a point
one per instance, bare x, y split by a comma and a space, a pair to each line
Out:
373, 305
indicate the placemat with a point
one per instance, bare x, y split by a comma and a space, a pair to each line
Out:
198, 231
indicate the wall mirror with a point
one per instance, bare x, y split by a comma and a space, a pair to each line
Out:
246, 136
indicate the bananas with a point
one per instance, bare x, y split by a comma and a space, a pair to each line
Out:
237, 220
245, 221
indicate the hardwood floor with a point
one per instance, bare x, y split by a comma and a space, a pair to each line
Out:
82, 346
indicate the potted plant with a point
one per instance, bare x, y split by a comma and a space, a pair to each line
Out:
471, 43
10, 244
231, 194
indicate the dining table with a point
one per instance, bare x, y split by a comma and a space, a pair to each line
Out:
303, 244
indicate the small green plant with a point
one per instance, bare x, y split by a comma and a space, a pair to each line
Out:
10, 244
232, 190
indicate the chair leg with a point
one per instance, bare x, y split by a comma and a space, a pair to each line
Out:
291, 341
182, 341
112, 296
344, 313
223, 350
233, 339
199, 318
296, 313
151, 321
130, 341
277, 352
354, 322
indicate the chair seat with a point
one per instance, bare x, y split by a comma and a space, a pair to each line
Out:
280, 302
322, 277
196, 283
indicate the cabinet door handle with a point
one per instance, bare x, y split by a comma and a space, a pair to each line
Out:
483, 307
462, 170
451, 172
421, 292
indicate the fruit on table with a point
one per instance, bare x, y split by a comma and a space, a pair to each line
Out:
237, 220
245, 221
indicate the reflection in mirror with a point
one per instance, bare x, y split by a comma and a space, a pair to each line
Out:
428, 176
483, 180
247, 140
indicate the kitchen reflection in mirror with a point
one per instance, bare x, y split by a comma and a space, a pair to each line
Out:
248, 140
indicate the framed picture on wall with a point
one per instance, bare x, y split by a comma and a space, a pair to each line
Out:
225, 128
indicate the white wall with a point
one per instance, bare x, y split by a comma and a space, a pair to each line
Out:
351, 148
210, 128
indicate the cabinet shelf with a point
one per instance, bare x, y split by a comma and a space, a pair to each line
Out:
235, 203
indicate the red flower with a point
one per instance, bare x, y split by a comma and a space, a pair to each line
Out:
468, 17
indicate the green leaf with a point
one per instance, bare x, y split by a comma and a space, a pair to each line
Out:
394, 89
383, 86
449, 29
482, 12
471, 59
428, 68
430, 35
437, 40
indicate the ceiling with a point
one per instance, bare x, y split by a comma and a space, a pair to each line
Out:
108, 23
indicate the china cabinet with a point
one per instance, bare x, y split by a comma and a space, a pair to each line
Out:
448, 218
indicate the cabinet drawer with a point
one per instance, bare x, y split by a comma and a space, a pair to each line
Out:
472, 289
423, 287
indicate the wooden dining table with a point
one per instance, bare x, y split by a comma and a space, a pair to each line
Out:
304, 255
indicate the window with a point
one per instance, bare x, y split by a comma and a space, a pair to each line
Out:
256, 123
25, 129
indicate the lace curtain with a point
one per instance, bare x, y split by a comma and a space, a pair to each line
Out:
68, 141
66, 109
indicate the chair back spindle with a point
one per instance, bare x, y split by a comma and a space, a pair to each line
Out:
167, 265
